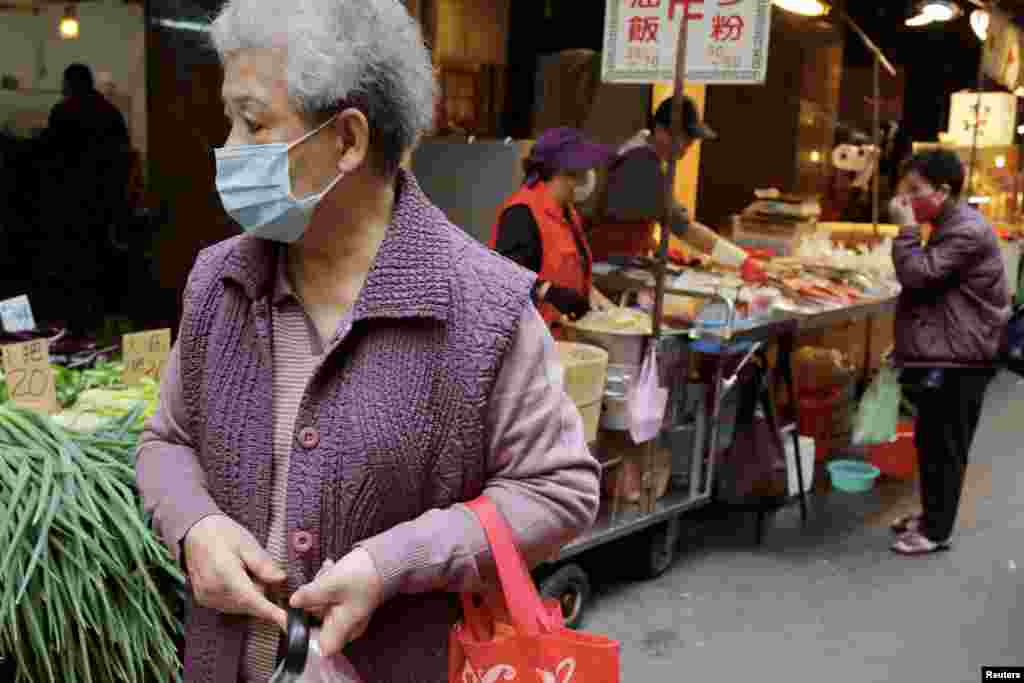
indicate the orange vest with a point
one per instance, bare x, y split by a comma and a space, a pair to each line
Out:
561, 262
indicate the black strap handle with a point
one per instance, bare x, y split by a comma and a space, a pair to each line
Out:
298, 642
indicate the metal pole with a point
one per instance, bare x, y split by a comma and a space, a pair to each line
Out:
977, 119
977, 113
670, 179
877, 130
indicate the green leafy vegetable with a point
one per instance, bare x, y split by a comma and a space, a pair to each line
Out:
88, 592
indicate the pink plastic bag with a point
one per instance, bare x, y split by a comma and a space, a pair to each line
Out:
646, 401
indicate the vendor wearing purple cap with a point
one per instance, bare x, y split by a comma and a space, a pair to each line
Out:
539, 228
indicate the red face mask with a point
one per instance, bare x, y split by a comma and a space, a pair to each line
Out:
927, 208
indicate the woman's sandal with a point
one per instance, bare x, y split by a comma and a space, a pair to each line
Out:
906, 524
913, 543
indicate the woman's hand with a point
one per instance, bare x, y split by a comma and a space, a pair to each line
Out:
598, 301
230, 571
901, 212
345, 594
568, 302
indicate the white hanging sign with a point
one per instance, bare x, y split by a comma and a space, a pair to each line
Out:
727, 41
996, 120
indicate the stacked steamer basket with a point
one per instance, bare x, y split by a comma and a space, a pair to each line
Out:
586, 371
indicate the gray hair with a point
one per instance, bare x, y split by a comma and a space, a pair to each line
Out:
367, 54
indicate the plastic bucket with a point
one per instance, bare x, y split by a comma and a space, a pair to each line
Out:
852, 476
897, 459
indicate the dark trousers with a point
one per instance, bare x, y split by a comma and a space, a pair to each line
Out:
947, 418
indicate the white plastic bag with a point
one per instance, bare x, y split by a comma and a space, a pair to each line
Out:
304, 662
646, 401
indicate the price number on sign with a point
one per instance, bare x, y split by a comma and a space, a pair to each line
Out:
145, 355
721, 57
641, 57
29, 376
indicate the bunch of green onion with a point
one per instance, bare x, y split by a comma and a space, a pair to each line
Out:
87, 592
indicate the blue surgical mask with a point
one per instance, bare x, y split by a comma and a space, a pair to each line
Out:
255, 187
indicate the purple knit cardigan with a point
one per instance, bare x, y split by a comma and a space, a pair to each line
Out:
391, 424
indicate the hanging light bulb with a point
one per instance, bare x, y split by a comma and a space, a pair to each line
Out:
1000, 161
69, 26
979, 22
934, 12
808, 8
939, 10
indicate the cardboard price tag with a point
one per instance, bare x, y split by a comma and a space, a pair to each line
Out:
30, 381
145, 355
16, 315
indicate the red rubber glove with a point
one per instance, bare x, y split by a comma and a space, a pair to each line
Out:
753, 271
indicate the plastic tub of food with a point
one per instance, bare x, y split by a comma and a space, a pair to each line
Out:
853, 476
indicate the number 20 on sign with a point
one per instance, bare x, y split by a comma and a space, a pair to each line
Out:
29, 375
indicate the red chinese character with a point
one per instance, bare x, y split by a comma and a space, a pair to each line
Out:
686, 9
643, 30
644, 4
724, 29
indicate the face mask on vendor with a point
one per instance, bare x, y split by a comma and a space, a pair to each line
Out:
586, 183
926, 201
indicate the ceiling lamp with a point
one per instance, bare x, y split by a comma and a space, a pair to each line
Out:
69, 26
979, 22
808, 8
934, 11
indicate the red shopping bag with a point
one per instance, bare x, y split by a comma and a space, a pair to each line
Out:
515, 635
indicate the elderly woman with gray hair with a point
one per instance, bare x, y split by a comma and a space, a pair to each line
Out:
350, 370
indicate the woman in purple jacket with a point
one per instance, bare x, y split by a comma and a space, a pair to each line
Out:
949, 324
350, 370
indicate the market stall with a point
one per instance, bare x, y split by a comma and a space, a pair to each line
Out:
714, 326
74, 531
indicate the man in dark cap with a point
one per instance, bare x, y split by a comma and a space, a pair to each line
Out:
633, 203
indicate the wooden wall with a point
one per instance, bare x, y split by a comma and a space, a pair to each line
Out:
186, 122
768, 134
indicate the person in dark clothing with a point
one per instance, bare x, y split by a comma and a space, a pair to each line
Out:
88, 155
539, 228
950, 320
85, 117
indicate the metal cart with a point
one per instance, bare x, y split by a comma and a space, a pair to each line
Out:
652, 534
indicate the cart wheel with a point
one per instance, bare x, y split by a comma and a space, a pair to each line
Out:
570, 586
660, 550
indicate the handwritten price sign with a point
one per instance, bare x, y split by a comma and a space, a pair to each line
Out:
145, 355
29, 376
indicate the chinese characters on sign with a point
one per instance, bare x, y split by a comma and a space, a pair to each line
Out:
727, 40
16, 315
996, 120
29, 376
145, 355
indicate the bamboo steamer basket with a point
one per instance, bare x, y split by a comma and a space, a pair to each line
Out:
585, 374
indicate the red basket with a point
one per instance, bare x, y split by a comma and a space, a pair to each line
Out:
897, 459
817, 413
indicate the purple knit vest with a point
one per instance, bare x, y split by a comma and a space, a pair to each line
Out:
398, 407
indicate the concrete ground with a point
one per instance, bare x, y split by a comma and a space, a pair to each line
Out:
830, 602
